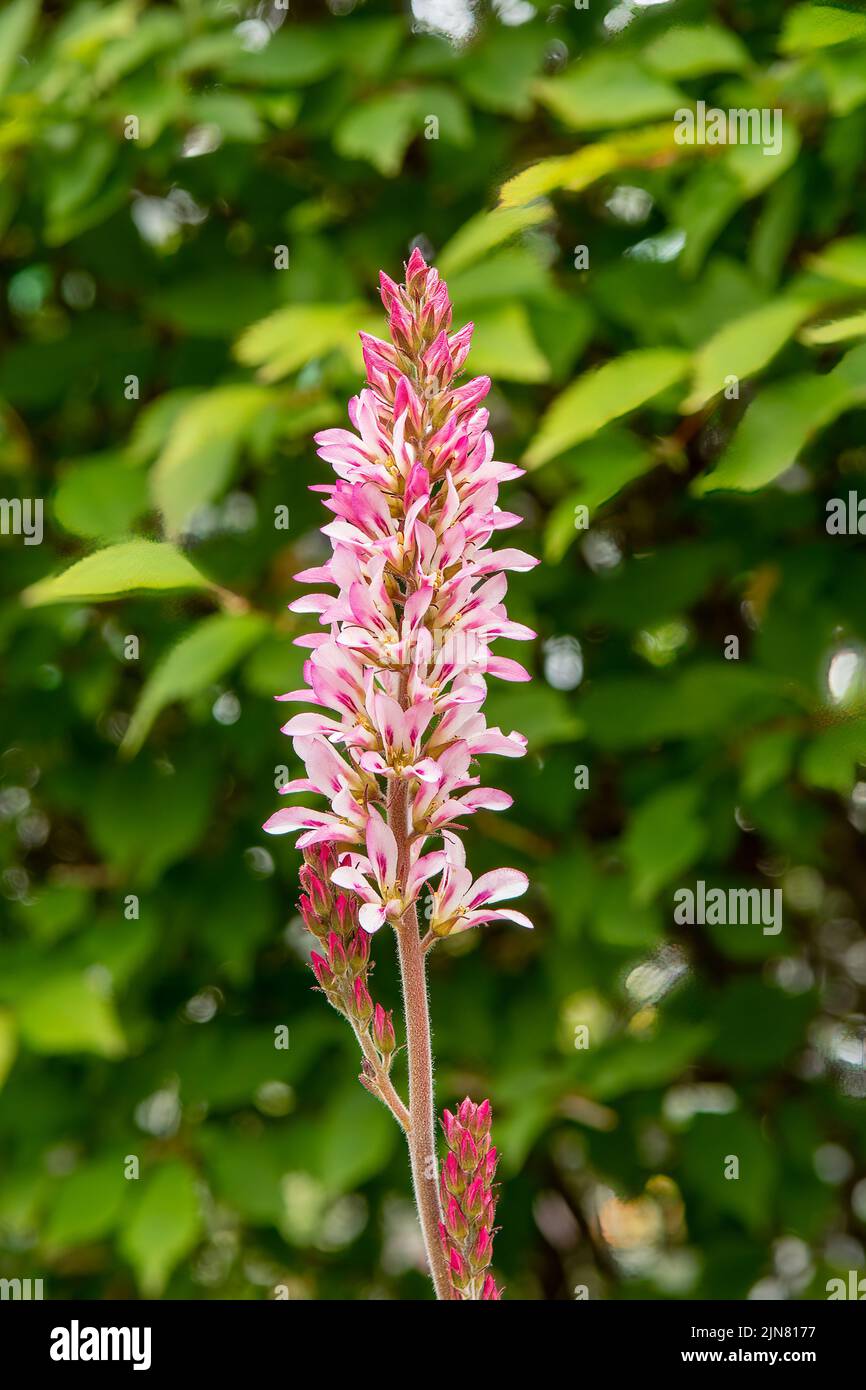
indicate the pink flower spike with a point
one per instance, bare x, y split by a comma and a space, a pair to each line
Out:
406, 611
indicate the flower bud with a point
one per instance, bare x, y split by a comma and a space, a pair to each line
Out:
322, 970
455, 1221
311, 921
479, 1126
451, 1128
482, 1251
358, 952
458, 1270
491, 1158
383, 1030
453, 1176
316, 891
337, 954
475, 1198
489, 1292
345, 914
467, 1152
361, 1003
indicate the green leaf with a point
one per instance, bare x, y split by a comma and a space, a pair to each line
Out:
174, 804
843, 260
131, 567
355, 1140
100, 499
808, 27
743, 347
296, 335
586, 166
380, 130
298, 55
204, 654
69, 1013
693, 50
831, 758
605, 465
835, 331
163, 1227
16, 27
487, 230
504, 348
664, 837
202, 448
780, 423
607, 90
88, 1204
602, 395
708, 1147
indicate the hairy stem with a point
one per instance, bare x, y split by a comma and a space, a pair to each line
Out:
380, 1084
421, 1134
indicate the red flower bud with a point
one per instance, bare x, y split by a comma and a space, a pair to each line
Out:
475, 1198
452, 1131
458, 1269
455, 1221
358, 951
362, 1004
479, 1126
468, 1153
383, 1030
491, 1158
466, 1112
311, 921
321, 970
453, 1176
346, 914
316, 890
337, 954
489, 1292
482, 1251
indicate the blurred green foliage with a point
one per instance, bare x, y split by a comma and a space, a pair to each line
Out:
195, 200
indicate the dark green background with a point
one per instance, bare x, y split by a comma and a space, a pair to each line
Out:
155, 1037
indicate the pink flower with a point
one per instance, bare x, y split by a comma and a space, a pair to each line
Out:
459, 904
409, 603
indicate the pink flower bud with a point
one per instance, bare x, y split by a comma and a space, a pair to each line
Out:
346, 914
489, 1292
467, 1153
458, 1269
475, 1198
455, 1221
466, 1112
453, 1176
311, 921
383, 1031
482, 1251
451, 1128
481, 1121
337, 954
361, 1003
321, 970
491, 1159
358, 952
317, 892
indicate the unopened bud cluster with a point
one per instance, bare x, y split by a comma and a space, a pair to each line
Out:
469, 1201
342, 969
